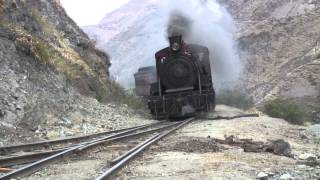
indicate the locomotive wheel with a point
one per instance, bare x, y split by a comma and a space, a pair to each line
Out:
213, 100
154, 89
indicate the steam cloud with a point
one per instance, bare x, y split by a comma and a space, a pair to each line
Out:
207, 23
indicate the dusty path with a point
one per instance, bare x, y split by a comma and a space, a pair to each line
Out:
192, 154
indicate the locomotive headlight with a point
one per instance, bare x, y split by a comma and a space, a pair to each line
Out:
175, 46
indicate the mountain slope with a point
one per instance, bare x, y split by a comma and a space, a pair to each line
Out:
280, 42
131, 34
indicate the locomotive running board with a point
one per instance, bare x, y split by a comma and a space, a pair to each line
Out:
179, 89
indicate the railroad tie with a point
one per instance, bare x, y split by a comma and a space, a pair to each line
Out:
5, 170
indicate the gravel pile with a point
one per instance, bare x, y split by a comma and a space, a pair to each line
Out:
315, 129
89, 116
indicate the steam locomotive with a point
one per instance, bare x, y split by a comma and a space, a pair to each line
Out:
180, 85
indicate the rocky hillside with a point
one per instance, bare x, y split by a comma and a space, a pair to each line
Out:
49, 69
279, 40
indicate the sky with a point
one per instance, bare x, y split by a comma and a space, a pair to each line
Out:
90, 12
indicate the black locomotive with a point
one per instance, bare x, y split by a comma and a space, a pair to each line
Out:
181, 84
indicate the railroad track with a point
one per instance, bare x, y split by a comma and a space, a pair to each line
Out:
6, 150
34, 151
39, 160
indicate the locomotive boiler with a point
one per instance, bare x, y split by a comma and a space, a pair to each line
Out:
180, 85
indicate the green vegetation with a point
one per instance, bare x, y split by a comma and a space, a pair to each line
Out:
235, 98
285, 109
4, 24
132, 100
40, 51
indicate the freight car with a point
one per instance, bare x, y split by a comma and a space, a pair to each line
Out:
180, 85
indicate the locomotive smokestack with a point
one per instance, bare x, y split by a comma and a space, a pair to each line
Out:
175, 43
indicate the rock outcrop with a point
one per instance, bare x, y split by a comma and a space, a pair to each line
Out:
280, 42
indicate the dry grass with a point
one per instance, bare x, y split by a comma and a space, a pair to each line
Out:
63, 59
55, 50
62, 56
1, 5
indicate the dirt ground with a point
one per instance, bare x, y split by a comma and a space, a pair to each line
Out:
177, 158
191, 153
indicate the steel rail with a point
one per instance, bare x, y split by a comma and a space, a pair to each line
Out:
119, 165
37, 165
26, 158
30, 158
102, 141
80, 147
118, 159
38, 145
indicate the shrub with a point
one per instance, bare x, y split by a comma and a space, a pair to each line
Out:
33, 46
40, 51
132, 100
285, 109
234, 98
117, 94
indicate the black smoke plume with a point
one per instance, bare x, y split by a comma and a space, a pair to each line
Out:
179, 25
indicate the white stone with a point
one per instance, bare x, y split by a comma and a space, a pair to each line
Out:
262, 176
308, 157
302, 166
